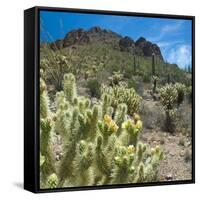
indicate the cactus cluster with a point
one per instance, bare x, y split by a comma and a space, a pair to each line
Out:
172, 95
47, 167
122, 94
115, 78
181, 92
100, 145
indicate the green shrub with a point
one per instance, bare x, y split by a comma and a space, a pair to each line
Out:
94, 87
146, 78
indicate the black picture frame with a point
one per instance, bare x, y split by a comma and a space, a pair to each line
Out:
31, 97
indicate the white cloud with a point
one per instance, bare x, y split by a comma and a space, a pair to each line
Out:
166, 29
181, 56
166, 44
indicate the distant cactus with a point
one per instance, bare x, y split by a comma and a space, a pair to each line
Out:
100, 146
115, 78
153, 65
181, 90
134, 65
169, 97
122, 94
155, 81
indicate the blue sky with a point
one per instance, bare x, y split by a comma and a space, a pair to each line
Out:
173, 36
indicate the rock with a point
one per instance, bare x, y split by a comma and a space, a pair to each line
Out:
168, 177
156, 97
78, 36
148, 48
58, 44
182, 153
172, 153
127, 44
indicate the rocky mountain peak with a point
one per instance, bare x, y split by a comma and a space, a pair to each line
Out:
148, 48
80, 36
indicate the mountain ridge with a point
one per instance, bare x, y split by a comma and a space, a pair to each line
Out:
80, 36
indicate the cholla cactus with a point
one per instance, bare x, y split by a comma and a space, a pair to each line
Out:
69, 87
169, 96
122, 94
155, 81
115, 78
52, 181
99, 146
46, 126
181, 90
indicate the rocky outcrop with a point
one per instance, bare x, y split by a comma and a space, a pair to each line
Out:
141, 47
148, 48
78, 36
128, 44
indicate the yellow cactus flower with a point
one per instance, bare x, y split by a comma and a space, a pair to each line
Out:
131, 149
117, 159
107, 119
138, 124
157, 149
152, 151
136, 117
127, 124
113, 126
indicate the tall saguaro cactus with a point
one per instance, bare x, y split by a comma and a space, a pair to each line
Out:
134, 65
153, 65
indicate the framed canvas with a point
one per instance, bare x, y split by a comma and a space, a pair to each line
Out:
108, 99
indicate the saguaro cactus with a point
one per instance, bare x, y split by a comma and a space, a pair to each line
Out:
153, 65
134, 65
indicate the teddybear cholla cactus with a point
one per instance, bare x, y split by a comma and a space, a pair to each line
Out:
181, 91
46, 125
169, 97
121, 94
100, 146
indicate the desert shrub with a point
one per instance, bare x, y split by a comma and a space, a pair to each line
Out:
189, 93
146, 78
152, 115
128, 72
188, 155
94, 87
131, 83
54, 66
184, 114
98, 147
